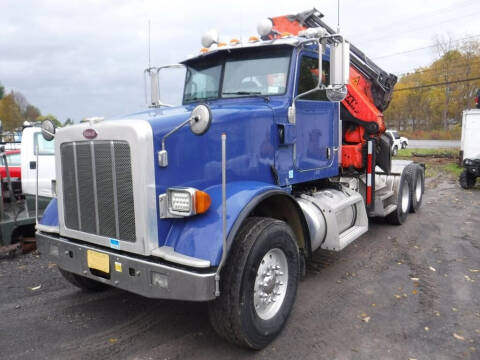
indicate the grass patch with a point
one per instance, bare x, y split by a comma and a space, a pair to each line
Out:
406, 153
443, 164
454, 169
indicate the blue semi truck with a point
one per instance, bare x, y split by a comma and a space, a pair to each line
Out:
224, 198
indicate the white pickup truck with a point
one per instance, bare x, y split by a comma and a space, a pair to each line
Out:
398, 142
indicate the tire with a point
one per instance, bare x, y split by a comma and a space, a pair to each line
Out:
395, 150
416, 176
243, 314
400, 214
82, 282
467, 180
404, 145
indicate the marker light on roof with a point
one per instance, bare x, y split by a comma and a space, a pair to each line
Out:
234, 42
221, 44
252, 39
203, 50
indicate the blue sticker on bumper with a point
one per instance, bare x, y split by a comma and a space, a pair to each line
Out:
114, 244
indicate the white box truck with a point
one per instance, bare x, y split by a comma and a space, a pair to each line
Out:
470, 148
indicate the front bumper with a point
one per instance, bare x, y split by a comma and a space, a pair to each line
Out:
136, 274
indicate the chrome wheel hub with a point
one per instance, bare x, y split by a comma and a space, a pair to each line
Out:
405, 197
271, 283
418, 189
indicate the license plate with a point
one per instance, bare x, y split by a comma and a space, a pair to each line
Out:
98, 261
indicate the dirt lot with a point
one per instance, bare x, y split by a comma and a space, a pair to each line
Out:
409, 292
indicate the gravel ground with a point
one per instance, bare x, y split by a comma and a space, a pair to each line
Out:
409, 292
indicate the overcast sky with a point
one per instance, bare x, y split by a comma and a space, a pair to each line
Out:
86, 58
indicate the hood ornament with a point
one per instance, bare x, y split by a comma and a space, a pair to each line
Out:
90, 133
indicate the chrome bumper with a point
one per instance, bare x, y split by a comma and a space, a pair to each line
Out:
136, 275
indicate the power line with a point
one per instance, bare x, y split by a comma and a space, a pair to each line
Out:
421, 16
425, 27
438, 84
423, 48
454, 66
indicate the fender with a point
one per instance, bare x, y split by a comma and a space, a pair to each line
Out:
201, 236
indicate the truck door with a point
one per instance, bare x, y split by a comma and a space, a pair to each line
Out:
31, 138
317, 120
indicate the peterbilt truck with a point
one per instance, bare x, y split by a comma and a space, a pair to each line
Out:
277, 150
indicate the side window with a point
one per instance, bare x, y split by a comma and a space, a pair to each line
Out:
13, 160
44, 147
309, 78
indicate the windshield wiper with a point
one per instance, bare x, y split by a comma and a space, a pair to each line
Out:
248, 93
242, 93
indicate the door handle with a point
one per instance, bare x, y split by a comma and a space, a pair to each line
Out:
33, 165
329, 153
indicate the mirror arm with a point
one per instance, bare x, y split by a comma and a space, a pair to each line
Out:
175, 129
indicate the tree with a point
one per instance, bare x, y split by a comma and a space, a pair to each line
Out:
423, 106
10, 113
2, 91
51, 118
31, 113
21, 101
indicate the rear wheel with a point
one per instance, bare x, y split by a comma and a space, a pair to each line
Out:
82, 282
467, 180
416, 175
258, 284
400, 214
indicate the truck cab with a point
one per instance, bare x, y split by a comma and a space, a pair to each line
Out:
222, 198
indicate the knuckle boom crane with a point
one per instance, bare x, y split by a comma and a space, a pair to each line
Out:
369, 94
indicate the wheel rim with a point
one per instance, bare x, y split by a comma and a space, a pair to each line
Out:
418, 189
405, 197
270, 284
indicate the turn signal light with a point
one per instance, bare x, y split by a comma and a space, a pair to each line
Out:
202, 202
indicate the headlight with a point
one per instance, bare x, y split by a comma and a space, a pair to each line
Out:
181, 202
467, 162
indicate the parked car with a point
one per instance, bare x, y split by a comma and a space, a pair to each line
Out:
398, 142
14, 164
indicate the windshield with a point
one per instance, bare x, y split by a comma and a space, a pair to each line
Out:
250, 72
395, 135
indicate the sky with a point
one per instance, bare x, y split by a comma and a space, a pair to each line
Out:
85, 58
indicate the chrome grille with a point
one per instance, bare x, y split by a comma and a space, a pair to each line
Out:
98, 189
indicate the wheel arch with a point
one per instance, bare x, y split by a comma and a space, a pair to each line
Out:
278, 205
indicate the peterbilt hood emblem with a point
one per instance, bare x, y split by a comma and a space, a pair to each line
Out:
90, 134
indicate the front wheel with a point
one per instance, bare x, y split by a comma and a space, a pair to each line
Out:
467, 180
404, 145
258, 284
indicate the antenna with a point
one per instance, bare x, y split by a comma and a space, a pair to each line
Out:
148, 43
338, 16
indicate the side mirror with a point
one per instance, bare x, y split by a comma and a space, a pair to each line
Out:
48, 130
340, 63
339, 71
201, 119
